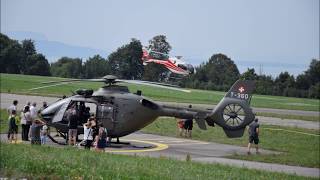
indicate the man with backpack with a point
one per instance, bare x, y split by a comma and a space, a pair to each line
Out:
254, 135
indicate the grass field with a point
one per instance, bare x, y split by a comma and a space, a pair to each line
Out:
298, 149
43, 162
20, 84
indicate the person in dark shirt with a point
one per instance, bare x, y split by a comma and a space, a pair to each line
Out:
72, 125
188, 125
254, 135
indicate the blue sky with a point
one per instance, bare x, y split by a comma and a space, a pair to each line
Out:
274, 33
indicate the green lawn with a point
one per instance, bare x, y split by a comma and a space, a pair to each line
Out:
299, 149
3, 121
44, 162
20, 84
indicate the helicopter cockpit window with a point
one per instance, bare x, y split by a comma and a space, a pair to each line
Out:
182, 66
105, 115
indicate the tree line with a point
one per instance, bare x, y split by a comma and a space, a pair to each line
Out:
218, 73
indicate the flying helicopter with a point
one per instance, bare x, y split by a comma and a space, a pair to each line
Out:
174, 64
122, 112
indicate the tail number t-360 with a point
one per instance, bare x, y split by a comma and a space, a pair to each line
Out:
239, 95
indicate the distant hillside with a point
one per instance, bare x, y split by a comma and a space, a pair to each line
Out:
53, 50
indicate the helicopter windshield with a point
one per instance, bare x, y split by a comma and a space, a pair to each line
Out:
157, 55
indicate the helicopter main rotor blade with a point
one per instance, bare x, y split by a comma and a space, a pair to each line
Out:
75, 80
154, 84
41, 87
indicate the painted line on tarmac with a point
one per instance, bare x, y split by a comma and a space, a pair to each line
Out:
158, 147
184, 144
15, 142
298, 132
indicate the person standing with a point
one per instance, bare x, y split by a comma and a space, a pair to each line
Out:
13, 127
180, 124
87, 133
44, 105
101, 140
188, 125
34, 132
25, 123
44, 133
33, 111
72, 125
11, 108
254, 135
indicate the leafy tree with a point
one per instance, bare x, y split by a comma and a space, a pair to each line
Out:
37, 65
11, 55
284, 82
303, 81
250, 74
126, 61
28, 47
156, 72
221, 71
95, 67
314, 71
67, 67
159, 43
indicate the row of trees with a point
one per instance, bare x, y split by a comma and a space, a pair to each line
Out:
21, 58
218, 73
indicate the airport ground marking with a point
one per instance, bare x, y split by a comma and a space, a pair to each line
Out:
298, 132
158, 147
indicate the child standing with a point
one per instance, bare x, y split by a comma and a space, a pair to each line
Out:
13, 127
44, 133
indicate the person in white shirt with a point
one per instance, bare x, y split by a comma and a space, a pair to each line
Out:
33, 111
25, 123
12, 107
43, 134
87, 132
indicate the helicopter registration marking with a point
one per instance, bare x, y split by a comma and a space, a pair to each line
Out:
239, 95
158, 147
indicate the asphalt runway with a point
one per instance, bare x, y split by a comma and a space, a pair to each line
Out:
199, 151
7, 99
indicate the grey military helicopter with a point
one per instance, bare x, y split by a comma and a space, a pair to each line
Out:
122, 112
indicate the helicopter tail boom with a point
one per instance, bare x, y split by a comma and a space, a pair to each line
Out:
233, 113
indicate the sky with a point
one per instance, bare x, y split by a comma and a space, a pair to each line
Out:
277, 35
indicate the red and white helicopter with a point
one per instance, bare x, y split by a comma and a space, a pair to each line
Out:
173, 64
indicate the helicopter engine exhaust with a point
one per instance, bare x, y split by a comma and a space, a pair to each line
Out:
233, 112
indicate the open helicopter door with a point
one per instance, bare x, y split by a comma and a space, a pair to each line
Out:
106, 115
60, 113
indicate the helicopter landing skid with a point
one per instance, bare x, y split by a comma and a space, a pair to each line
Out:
55, 141
118, 142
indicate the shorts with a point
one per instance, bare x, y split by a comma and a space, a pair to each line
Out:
72, 133
13, 130
254, 139
102, 143
188, 125
36, 141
